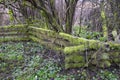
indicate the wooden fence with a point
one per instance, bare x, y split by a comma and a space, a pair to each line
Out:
79, 52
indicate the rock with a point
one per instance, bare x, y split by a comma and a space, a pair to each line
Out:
4, 16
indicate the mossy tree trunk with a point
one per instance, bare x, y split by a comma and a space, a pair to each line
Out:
51, 15
104, 21
47, 10
115, 9
70, 11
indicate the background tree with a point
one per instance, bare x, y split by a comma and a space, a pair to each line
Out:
58, 15
47, 10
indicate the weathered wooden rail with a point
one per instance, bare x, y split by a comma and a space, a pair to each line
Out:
79, 52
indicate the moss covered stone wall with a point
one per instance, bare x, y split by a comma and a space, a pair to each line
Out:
79, 52
13, 33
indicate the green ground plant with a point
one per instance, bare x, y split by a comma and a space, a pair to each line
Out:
86, 33
27, 61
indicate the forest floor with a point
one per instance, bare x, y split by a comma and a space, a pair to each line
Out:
31, 61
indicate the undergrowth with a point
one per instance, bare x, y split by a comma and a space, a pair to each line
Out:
31, 61
86, 33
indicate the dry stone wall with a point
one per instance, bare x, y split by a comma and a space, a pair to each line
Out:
78, 52
13, 33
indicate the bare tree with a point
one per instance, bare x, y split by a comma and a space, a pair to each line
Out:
47, 9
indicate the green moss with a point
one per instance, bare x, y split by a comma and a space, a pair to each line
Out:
13, 26
105, 30
71, 39
74, 58
74, 49
13, 38
114, 46
66, 36
82, 41
52, 39
104, 26
38, 35
13, 33
73, 65
33, 38
9, 33
77, 40
93, 44
75, 45
40, 29
114, 55
47, 44
12, 30
61, 42
41, 36
18, 28
43, 31
102, 61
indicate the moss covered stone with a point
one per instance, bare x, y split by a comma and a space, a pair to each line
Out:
74, 65
105, 56
47, 44
115, 54
12, 33
43, 31
101, 64
14, 26
51, 38
104, 64
73, 40
74, 59
74, 49
94, 44
114, 46
66, 36
13, 38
